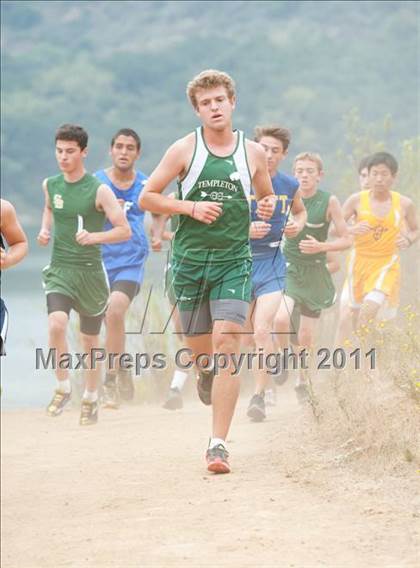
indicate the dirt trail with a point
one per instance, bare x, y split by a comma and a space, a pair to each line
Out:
134, 492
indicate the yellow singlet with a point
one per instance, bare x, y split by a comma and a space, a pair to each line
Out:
374, 262
380, 241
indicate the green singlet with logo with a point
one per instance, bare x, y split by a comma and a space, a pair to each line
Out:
76, 270
316, 226
308, 280
213, 262
223, 180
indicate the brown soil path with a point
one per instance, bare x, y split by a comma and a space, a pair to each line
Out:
133, 491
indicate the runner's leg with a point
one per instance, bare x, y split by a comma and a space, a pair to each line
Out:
226, 339
115, 327
266, 307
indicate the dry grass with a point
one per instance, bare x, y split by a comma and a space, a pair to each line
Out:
373, 416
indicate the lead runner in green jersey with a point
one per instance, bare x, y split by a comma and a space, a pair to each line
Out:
77, 203
211, 260
309, 286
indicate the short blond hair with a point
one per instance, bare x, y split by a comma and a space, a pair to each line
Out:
312, 157
209, 79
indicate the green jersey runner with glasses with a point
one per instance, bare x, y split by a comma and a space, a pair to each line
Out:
211, 260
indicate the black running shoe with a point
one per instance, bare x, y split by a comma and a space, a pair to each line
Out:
256, 408
204, 385
88, 413
217, 459
174, 400
58, 403
126, 384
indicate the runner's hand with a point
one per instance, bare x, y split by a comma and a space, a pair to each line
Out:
168, 235
310, 245
156, 244
265, 207
43, 237
292, 229
402, 242
361, 228
84, 238
259, 229
206, 211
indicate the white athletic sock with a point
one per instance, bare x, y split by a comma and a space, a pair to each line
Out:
64, 386
178, 380
90, 396
215, 442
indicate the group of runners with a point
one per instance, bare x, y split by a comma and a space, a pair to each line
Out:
251, 250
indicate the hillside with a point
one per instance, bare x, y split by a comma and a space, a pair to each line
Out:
112, 64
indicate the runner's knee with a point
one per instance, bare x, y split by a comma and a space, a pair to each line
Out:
57, 326
115, 313
261, 335
225, 342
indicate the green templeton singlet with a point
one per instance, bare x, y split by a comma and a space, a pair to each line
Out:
224, 180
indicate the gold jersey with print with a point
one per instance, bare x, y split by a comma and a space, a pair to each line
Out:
374, 262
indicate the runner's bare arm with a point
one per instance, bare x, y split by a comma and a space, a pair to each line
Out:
14, 236
296, 223
410, 236
173, 165
44, 234
157, 230
344, 240
350, 216
261, 181
107, 202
